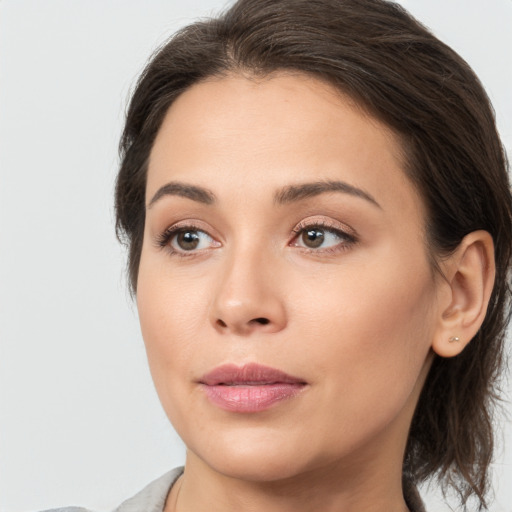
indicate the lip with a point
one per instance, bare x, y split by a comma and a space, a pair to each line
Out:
249, 388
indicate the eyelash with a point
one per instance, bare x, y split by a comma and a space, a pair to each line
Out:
163, 241
348, 238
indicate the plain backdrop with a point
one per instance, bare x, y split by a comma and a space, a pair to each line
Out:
80, 423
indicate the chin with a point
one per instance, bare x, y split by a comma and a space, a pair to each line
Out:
257, 455
257, 467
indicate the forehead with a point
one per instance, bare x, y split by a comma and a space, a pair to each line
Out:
258, 134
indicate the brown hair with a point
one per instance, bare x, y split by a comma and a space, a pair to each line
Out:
375, 52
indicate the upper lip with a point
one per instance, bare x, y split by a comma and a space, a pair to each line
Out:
248, 374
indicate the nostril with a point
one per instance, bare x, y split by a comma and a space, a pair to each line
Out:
262, 321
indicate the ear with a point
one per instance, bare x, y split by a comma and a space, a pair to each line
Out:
468, 282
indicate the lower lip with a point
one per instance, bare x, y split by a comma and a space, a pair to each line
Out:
251, 398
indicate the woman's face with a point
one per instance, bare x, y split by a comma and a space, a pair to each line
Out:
281, 231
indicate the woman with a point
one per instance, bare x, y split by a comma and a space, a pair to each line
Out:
318, 216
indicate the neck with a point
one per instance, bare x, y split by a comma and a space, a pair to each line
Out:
329, 488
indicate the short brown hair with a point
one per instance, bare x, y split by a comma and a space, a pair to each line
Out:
392, 66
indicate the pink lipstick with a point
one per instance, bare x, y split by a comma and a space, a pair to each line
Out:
250, 388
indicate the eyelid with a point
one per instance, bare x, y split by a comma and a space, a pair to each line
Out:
325, 223
348, 236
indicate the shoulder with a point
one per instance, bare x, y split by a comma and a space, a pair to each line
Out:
150, 499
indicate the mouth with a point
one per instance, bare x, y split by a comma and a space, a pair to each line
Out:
249, 388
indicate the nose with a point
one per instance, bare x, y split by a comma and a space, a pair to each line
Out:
248, 298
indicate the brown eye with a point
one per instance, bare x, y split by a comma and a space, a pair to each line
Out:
313, 237
322, 238
183, 240
187, 240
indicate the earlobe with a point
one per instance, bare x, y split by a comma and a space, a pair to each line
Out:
469, 279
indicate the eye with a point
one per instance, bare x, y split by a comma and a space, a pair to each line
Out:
190, 240
186, 239
320, 237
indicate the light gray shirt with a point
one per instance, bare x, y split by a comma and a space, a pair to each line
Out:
152, 497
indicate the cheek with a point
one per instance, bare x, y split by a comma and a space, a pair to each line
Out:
171, 310
170, 326
371, 333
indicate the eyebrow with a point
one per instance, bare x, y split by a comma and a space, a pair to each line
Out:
175, 188
294, 193
288, 194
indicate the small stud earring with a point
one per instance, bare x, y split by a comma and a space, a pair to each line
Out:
453, 339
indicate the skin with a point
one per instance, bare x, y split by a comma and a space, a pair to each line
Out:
356, 318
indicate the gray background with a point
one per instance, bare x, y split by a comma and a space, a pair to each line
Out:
80, 422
